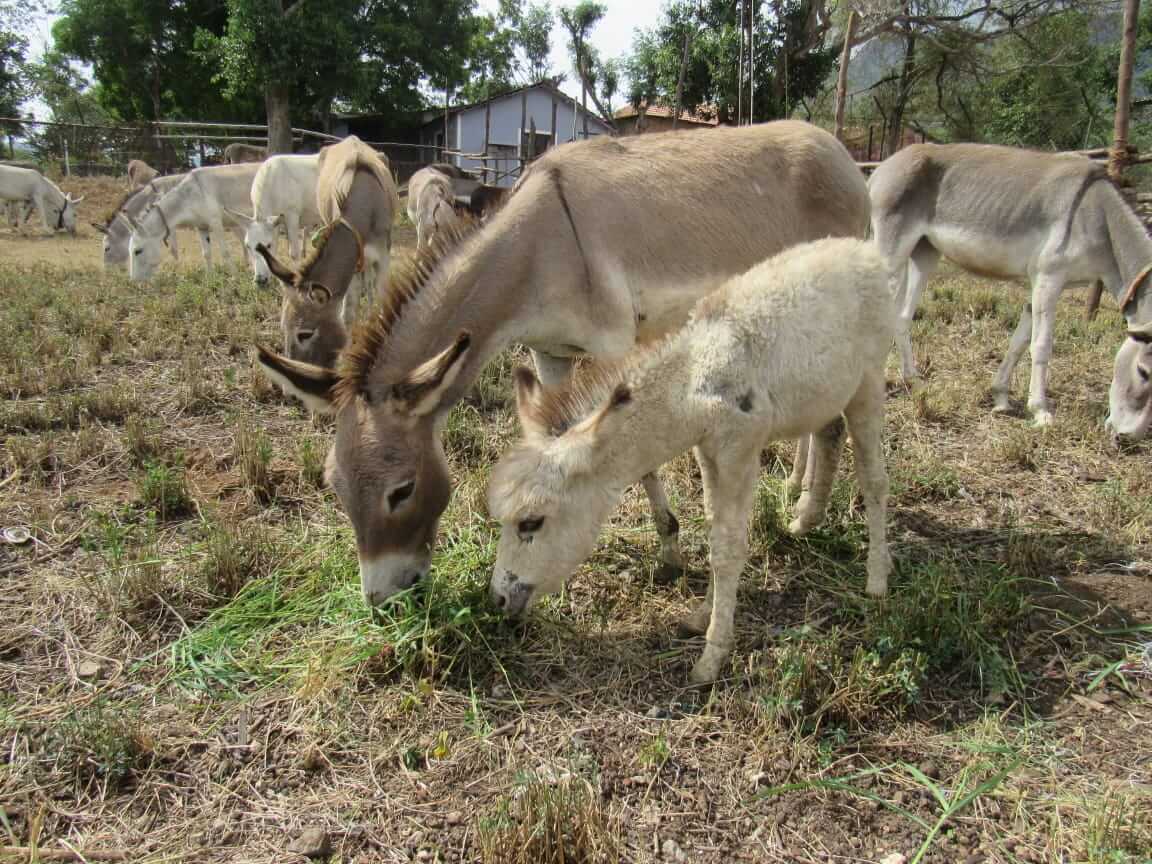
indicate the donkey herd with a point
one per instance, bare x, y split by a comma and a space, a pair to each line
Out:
735, 286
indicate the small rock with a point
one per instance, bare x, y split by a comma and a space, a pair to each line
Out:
671, 851
312, 843
656, 713
894, 858
454, 818
424, 855
757, 778
89, 669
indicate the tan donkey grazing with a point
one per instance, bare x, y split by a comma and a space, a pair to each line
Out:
1008, 214
140, 173
779, 352
604, 243
356, 198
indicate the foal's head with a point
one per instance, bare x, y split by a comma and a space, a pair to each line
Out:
311, 315
550, 492
1130, 399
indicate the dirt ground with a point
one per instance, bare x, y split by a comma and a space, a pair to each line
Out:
187, 672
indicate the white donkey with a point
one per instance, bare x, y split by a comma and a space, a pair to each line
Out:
1008, 213
57, 210
779, 352
201, 200
283, 194
118, 229
1130, 399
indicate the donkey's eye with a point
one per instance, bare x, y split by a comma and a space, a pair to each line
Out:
1143, 373
400, 494
303, 336
137, 252
530, 526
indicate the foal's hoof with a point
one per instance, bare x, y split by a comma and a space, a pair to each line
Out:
667, 574
801, 525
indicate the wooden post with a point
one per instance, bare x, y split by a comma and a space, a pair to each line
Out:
531, 139
1118, 158
555, 136
487, 135
842, 74
446, 100
523, 126
869, 142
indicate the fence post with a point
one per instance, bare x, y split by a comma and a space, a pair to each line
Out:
1118, 158
67, 165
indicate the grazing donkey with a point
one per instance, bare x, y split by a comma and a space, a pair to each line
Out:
781, 351
605, 243
140, 173
57, 210
1130, 398
283, 194
202, 200
238, 153
1008, 213
431, 204
356, 198
118, 228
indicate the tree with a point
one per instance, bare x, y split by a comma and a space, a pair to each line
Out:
144, 55
13, 48
533, 35
579, 20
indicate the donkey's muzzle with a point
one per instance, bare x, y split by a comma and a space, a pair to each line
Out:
514, 597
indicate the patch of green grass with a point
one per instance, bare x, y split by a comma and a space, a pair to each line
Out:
142, 438
234, 556
310, 455
254, 459
129, 571
102, 742
164, 488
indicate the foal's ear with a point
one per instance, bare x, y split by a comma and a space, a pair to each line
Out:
528, 392
285, 274
607, 418
312, 385
423, 390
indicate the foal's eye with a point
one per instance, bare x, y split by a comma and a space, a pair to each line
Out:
400, 494
530, 526
1143, 373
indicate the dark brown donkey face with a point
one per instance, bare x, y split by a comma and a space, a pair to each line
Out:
386, 465
311, 316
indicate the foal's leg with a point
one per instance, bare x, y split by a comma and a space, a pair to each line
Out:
206, 247
799, 465
1002, 381
292, 231
865, 416
1045, 292
733, 489
553, 372
696, 622
823, 460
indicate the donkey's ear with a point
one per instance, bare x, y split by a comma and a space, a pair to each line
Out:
285, 274
1141, 334
608, 415
312, 385
422, 391
528, 393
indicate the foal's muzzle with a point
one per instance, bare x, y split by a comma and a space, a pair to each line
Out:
514, 597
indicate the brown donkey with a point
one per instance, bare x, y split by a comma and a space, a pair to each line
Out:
356, 197
604, 244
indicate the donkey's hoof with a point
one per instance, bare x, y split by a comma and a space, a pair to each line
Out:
1001, 404
667, 574
802, 524
1041, 418
705, 672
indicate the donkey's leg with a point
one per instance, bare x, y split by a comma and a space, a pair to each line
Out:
696, 622
172, 248
1045, 292
1002, 380
667, 527
292, 230
735, 478
206, 246
865, 416
921, 265
799, 465
823, 460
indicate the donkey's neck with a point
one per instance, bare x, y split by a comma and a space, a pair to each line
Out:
1132, 249
483, 288
178, 209
662, 420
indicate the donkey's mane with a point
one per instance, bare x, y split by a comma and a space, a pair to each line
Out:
338, 167
560, 408
122, 203
405, 282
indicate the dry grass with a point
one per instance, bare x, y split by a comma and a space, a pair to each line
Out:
187, 671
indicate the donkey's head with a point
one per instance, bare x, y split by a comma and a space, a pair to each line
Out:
386, 465
66, 214
550, 495
257, 233
1130, 399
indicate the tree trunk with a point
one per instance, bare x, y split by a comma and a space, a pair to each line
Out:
842, 75
278, 105
896, 119
1118, 157
584, 105
680, 78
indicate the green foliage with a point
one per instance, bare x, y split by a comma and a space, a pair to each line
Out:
103, 742
12, 77
165, 489
791, 60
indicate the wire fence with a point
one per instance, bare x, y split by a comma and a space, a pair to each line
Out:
170, 146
